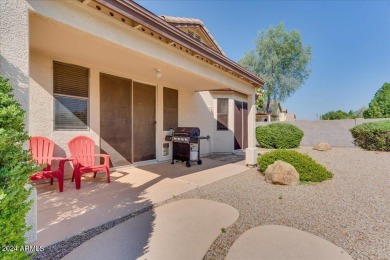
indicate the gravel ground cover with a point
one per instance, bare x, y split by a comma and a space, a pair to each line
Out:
62, 248
352, 210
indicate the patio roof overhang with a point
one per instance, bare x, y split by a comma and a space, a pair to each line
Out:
143, 20
52, 39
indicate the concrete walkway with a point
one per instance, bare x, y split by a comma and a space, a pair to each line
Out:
281, 242
63, 215
183, 229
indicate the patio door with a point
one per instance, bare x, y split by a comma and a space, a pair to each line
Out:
240, 125
144, 116
116, 119
127, 120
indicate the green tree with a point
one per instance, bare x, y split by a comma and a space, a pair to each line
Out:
359, 113
15, 167
259, 99
334, 115
379, 106
339, 114
281, 59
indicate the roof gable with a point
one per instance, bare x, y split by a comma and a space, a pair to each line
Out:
196, 29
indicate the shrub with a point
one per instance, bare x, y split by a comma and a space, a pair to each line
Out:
379, 106
372, 136
335, 115
308, 169
15, 167
279, 136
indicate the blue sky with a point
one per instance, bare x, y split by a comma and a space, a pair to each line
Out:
350, 43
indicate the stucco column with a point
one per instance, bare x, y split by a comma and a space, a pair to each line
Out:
160, 134
14, 48
251, 151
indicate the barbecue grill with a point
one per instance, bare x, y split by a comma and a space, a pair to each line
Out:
186, 145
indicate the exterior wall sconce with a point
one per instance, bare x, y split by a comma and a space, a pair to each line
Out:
158, 73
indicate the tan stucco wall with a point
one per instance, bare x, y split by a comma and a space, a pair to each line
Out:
42, 102
14, 46
282, 116
195, 109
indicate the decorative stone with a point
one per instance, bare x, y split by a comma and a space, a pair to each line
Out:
322, 147
282, 173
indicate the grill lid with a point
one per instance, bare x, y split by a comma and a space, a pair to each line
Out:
187, 131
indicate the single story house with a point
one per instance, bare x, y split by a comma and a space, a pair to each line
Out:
275, 113
117, 73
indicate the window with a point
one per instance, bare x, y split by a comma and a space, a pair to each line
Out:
71, 95
171, 108
222, 113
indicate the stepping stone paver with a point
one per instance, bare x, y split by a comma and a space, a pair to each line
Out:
183, 229
281, 242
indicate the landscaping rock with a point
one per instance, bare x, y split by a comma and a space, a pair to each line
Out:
322, 147
282, 173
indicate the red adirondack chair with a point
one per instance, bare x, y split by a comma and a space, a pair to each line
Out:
82, 152
41, 149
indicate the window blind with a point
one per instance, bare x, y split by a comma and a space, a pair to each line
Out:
71, 92
70, 79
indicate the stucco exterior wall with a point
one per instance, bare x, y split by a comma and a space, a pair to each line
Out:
195, 109
41, 107
14, 48
282, 116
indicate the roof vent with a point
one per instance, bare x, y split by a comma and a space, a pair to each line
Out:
194, 35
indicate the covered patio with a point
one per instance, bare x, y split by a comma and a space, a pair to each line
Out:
129, 59
62, 215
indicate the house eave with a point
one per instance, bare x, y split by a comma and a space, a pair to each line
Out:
142, 17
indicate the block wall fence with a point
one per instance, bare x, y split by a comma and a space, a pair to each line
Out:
334, 132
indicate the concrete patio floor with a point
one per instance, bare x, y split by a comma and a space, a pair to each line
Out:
63, 215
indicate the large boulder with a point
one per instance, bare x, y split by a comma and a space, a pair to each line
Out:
322, 147
282, 173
